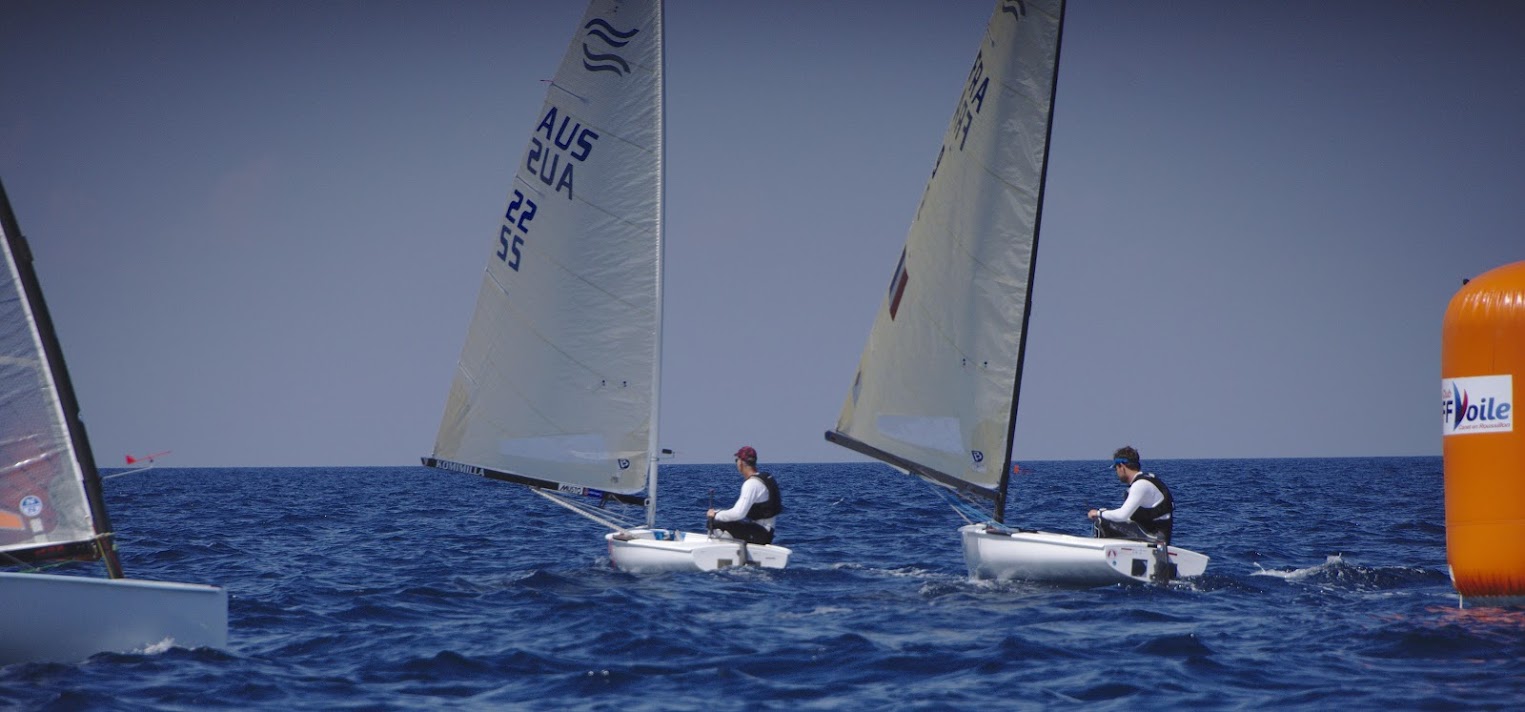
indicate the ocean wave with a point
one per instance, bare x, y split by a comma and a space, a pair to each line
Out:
344, 593
1337, 572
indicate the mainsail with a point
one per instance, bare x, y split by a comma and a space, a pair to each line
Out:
557, 383
51, 505
936, 389
52, 508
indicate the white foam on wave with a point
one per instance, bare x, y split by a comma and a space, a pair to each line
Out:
817, 611
159, 647
1332, 562
906, 572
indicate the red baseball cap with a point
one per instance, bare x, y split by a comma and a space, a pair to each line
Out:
747, 453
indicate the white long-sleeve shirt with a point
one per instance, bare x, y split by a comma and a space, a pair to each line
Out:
752, 491
1142, 493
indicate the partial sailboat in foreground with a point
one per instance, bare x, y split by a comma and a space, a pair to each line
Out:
52, 509
557, 386
936, 390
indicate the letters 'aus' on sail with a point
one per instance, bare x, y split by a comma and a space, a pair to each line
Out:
937, 382
42, 484
558, 377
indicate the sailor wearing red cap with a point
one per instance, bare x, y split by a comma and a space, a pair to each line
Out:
751, 518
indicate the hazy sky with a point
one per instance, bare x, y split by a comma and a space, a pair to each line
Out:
261, 226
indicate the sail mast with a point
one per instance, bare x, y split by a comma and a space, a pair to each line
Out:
21, 257
652, 447
1027, 308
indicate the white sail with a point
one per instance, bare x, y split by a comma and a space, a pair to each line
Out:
935, 390
43, 499
558, 379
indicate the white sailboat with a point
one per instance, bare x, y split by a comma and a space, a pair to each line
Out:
936, 390
52, 509
557, 386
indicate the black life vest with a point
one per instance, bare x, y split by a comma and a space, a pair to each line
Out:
770, 508
1157, 518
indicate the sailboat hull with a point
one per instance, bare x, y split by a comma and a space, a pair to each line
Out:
658, 550
1067, 560
69, 618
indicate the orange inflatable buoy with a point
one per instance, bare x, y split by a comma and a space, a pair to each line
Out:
1482, 364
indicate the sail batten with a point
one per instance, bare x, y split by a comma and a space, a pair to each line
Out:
557, 382
935, 391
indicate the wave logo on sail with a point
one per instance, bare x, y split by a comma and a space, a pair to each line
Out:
623, 463
1016, 8
1478, 404
605, 60
897, 286
977, 458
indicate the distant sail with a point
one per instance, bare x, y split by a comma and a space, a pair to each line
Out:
558, 380
46, 482
935, 391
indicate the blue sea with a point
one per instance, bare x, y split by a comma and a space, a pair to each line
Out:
406, 588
